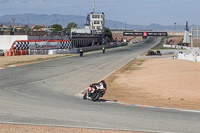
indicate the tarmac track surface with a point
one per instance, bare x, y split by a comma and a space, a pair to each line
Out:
43, 94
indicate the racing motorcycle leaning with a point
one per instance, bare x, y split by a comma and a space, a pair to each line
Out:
95, 91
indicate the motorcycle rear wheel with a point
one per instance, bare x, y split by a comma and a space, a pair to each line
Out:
95, 96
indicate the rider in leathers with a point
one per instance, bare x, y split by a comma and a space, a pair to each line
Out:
100, 85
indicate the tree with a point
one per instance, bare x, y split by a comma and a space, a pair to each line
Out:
1, 25
108, 33
72, 25
57, 27
25, 27
37, 27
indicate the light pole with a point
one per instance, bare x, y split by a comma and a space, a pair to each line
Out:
125, 25
13, 19
175, 26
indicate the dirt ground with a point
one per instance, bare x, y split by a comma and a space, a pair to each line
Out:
6, 128
150, 81
175, 40
158, 82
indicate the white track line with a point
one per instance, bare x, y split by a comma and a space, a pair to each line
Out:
155, 107
11, 66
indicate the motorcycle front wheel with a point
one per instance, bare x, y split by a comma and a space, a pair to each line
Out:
85, 96
95, 96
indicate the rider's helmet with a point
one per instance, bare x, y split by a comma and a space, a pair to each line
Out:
102, 81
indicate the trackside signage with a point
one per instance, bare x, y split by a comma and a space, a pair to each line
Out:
133, 33
145, 34
157, 33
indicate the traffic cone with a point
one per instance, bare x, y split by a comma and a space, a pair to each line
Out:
9, 53
6, 53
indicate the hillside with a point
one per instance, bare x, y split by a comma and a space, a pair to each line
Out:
22, 19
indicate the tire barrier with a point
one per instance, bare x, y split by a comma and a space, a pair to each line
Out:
153, 53
16, 52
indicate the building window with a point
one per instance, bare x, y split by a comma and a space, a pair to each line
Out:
96, 22
94, 16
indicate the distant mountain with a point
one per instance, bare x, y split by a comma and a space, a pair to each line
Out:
45, 19
22, 19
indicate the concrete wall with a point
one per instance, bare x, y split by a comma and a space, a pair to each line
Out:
187, 56
86, 49
75, 50
195, 49
6, 41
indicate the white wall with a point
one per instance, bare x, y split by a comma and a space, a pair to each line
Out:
188, 56
6, 41
196, 49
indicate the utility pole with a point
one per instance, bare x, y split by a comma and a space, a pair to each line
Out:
13, 19
28, 22
27, 28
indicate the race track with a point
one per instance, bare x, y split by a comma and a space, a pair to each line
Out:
43, 94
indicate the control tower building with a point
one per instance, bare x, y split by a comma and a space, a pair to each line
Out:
95, 21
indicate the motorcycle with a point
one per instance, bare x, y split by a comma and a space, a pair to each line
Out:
93, 93
81, 52
103, 49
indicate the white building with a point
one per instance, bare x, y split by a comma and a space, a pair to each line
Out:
95, 21
80, 31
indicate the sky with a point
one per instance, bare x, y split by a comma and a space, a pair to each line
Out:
138, 12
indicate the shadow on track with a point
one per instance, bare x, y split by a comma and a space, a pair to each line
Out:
104, 100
